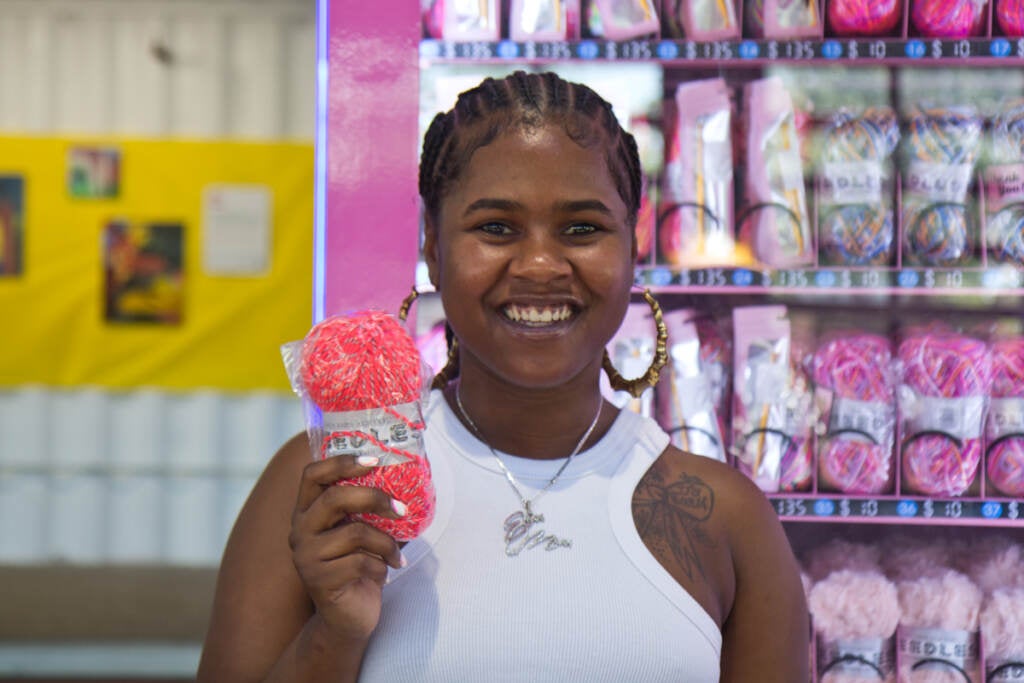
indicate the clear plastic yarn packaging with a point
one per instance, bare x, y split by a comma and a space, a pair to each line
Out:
774, 223
1002, 634
622, 19
782, 18
864, 17
856, 225
695, 225
1004, 426
705, 19
855, 614
543, 20
770, 437
940, 148
855, 393
938, 632
687, 398
943, 393
363, 384
948, 18
1004, 184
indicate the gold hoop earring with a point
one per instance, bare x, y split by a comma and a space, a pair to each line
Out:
403, 310
636, 387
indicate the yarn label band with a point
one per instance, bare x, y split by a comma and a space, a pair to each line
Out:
854, 420
1004, 185
960, 418
1004, 669
387, 433
865, 658
938, 650
1005, 416
852, 182
940, 182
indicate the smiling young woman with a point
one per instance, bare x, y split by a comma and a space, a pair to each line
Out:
571, 542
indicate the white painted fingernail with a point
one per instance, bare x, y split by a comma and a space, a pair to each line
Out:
402, 562
368, 460
399, 507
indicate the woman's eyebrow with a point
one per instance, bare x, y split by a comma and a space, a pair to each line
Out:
492, 203
583, 205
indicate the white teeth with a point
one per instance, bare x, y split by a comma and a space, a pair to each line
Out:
533, 315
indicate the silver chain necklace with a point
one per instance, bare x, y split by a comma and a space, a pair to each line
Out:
518, 525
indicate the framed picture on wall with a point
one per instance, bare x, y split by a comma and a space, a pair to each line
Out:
12, 224
94, 172
143, 272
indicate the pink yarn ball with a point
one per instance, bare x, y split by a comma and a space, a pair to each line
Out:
947, 18
1002, 624
369, 361
863, 17
1010, 17
948, 601
1005, 454
943, 365
855, 604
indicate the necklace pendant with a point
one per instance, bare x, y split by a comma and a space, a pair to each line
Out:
520, 535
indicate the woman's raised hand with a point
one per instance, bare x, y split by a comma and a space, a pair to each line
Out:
343, 562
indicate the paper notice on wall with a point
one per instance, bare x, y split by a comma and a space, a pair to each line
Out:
236, 229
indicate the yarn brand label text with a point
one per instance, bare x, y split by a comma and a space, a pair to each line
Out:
383, 432
941, 182
853, 182
1004, 184
938, 650
866, 658
1005, 416
854, 420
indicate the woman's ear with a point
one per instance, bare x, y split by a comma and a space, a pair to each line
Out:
430, 250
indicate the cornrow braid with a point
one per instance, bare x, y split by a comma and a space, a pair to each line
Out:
529, 99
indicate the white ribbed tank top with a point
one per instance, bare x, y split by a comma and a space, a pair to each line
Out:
602, 610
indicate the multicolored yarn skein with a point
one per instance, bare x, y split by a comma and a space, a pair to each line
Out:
1004, 450
946, 378
1004, 181
947, 18
365, 373
863, 17
1010, 17
855, 455
857, 226
941, 146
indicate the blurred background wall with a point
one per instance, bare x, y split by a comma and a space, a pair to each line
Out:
156, 205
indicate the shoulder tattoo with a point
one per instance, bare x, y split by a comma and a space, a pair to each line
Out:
671, 516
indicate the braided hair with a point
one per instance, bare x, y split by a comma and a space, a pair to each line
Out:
527, 100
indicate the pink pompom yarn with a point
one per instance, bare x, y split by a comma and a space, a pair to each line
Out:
905, 557
948, 600
855, 604
839, 554
369, 361
994, 564
1002, 624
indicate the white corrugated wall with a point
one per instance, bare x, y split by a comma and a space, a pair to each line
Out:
91, 476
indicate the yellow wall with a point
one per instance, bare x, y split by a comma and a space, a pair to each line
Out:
52, 327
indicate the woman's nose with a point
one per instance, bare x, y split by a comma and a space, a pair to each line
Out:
540, 257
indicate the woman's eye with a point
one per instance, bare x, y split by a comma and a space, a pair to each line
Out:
581, 229
494, 228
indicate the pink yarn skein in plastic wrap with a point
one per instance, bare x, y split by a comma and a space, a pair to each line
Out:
1004, 434
945, 384
947, 18
365, 374
855, 455
1010, 17
863, 17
